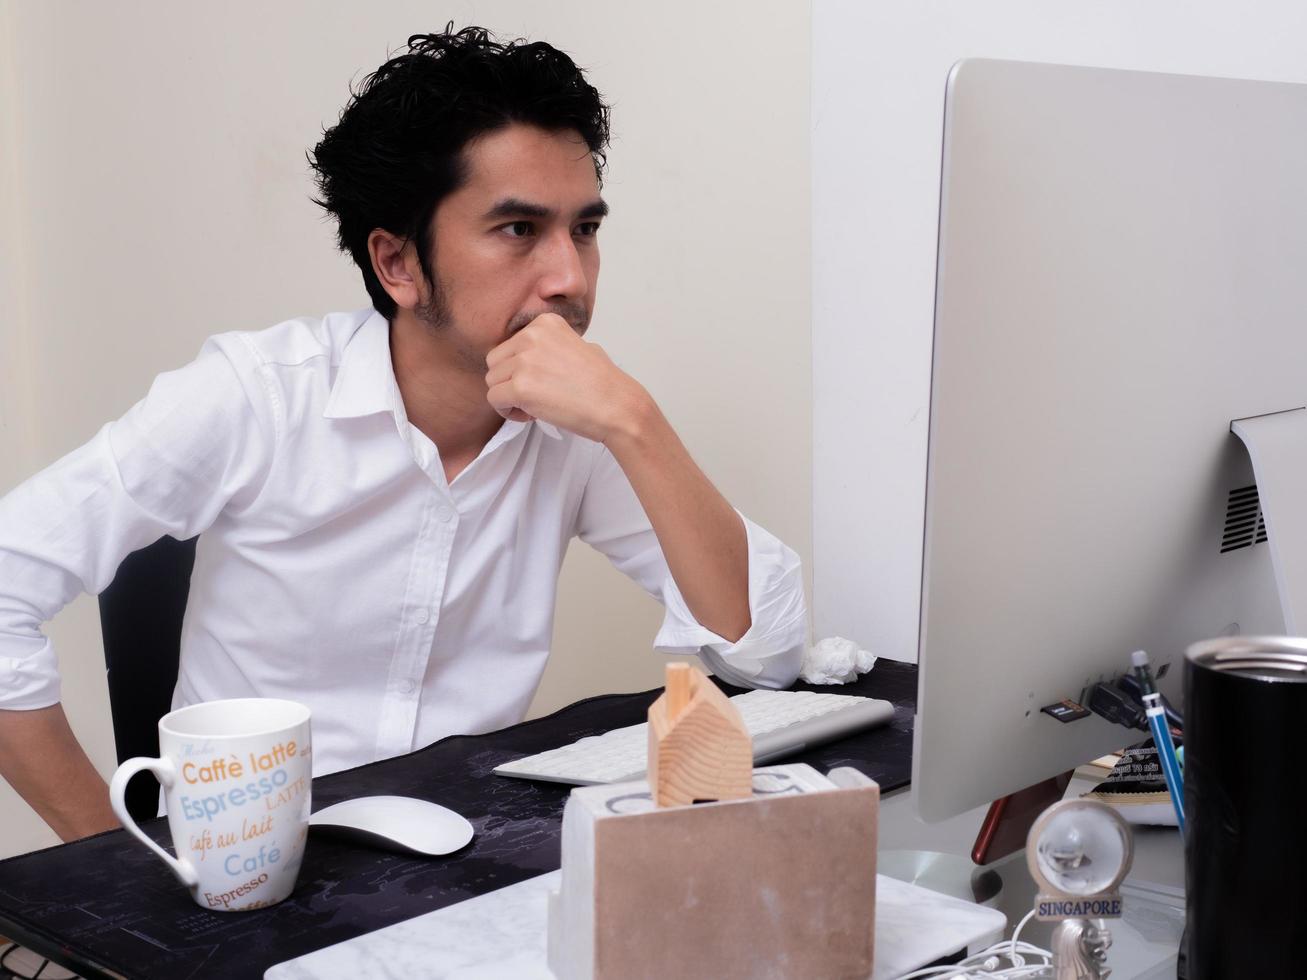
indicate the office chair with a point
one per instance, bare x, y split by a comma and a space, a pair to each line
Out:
141, 623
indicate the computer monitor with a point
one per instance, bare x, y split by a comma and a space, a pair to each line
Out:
1122, 271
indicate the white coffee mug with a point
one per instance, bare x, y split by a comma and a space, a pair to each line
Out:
236, 779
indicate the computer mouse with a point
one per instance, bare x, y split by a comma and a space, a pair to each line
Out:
398, 823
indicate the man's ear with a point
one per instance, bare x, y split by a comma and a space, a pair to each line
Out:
395, 263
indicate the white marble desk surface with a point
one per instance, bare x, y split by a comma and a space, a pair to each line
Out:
501, 936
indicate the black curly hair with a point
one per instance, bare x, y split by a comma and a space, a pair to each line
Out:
396, 151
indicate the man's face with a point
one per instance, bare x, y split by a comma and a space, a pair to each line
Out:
518, 239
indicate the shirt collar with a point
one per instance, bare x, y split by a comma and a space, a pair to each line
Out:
365, 378
365, 381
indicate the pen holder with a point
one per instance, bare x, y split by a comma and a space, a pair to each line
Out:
778, 884
1245, 796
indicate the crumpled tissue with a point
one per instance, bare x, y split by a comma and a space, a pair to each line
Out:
835, 660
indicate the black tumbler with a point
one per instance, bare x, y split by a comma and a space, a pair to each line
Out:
1245, 800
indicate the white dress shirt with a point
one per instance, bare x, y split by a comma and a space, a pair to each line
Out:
336, 566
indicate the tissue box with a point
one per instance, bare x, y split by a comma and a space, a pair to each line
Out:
779, 885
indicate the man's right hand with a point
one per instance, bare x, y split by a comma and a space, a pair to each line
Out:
43, 761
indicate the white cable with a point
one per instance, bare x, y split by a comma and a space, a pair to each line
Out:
985, 964
960, 971
968, 969
1016, 934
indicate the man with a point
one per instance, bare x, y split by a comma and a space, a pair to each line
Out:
384, 498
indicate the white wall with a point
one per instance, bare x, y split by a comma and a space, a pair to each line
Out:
878, 98
154, 191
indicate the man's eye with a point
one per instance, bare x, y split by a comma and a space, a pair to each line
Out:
589, 229
519, 229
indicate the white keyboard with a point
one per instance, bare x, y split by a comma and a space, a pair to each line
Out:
781, 723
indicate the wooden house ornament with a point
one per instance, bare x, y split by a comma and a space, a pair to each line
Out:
699, 748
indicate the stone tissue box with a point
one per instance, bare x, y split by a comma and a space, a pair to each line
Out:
781, 884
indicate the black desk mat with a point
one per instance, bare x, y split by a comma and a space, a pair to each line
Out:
105, 906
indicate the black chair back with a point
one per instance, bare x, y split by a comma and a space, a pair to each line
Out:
141, 622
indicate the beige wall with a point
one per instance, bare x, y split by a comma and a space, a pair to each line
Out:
154, 191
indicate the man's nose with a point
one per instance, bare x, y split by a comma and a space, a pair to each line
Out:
562, 275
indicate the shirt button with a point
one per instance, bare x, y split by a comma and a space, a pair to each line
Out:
445, 515
422, 616
407, 687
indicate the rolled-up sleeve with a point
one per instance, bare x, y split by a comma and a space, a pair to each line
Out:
200, 439
770, 653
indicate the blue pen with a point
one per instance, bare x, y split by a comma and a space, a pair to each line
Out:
1161, 733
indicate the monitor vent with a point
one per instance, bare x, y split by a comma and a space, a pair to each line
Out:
1245, 525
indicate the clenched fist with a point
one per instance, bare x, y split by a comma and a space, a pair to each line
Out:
546, 371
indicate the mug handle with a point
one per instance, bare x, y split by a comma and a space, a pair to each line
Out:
166, 773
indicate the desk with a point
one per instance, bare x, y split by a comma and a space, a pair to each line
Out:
501, 936
106, 907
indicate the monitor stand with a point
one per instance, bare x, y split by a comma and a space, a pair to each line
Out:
1002, 832
1277, 445
948, 874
